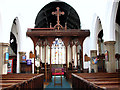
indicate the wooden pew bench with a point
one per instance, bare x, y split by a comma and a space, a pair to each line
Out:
21, 81
68, 74
96, 81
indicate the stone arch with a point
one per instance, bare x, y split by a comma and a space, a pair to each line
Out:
95, 34
117, 29
111, 11
117, 36
95, 31
113, 18
15, 39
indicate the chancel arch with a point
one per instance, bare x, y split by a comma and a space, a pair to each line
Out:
56, 37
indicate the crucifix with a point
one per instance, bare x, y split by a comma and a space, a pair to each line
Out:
58, 13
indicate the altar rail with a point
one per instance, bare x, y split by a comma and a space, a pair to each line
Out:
96, 81
21, 81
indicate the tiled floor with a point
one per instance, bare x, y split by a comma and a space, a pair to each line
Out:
65, 84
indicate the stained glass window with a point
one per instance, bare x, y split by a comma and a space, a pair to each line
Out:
58, 52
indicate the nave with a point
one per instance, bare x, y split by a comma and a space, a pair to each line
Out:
66, 45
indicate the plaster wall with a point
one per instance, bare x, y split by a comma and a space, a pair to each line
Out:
27, 10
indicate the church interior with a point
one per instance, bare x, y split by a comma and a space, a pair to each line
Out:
60, 44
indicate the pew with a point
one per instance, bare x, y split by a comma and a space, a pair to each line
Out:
96, 81
68, 74
21, 81
49, 73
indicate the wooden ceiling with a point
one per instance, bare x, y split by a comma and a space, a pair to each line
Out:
45, 17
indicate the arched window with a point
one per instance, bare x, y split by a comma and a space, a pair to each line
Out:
58, 52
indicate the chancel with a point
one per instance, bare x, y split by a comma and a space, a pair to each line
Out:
60, 44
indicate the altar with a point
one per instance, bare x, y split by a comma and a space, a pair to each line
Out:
58, 66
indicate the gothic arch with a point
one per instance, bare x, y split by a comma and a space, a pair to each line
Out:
117, 29
111, 10
15, 40
113, 18
95, 31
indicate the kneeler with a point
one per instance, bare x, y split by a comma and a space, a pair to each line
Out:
58, 71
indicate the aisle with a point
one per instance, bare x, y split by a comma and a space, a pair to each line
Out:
65, 84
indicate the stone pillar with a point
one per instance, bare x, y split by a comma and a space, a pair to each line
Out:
93, 53
111, 63
3, 63
18, 62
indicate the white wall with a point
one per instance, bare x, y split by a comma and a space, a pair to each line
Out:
30, 8
27, 10
111, 9
0, 27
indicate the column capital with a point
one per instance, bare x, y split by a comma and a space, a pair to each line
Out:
109, 42
4, 44
93, 53
22, 52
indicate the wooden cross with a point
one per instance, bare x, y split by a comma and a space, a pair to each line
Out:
58, 13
